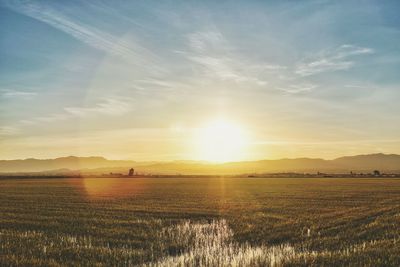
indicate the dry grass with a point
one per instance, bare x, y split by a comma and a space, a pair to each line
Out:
200, 222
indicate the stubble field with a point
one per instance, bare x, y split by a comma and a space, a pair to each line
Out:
200, 222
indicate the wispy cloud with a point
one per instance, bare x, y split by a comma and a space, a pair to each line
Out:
157, 83
52, 118
8, 130
297, 88
219, 59
85, 33
13, 93
107, 107
88, 34
356, 86
332, 60
47, 119
203, 42
220, 67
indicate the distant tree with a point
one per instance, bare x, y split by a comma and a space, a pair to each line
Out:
377, 173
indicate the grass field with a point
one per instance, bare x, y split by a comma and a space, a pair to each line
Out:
200, 222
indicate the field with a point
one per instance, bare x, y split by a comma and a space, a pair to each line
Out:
200, 222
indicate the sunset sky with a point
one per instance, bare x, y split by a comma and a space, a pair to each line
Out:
199, 80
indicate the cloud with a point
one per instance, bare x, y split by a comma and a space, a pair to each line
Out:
16, 94
52, 118
356, 86
46, 119
92, 36
219, 59
350, 50
202, 42
84, 33
322, 65
268, 67
210, 50
158, 83
219, 67
332, 60
108, 107
297, 88
8, 130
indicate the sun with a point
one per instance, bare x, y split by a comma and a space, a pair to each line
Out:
221, 141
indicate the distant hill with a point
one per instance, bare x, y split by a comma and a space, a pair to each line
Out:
98, 165
387, 162
71, 163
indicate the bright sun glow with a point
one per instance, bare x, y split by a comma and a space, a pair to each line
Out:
221, 141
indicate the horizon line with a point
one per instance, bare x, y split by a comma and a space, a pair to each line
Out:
204, 161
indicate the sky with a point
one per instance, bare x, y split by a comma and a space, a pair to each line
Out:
141, 80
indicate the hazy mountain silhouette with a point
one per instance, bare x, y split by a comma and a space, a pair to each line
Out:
378, 161
359, 163
71, 163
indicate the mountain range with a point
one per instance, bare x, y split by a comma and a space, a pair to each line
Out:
98, 165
